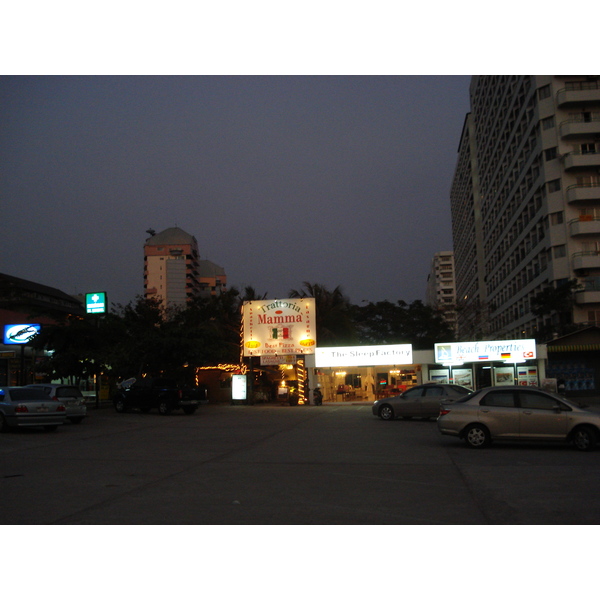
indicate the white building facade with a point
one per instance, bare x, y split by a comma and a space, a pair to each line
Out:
525, 203
441, 289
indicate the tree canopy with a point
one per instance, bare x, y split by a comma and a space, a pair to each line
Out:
141, 337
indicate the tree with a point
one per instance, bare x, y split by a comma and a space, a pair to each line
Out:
556, 305
334, 323
387, 323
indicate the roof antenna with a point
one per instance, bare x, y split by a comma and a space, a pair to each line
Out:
151, 231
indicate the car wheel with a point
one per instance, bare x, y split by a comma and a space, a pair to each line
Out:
76, 420
3, 424
189, 410
386, 412
120, 405
164, 408
477, 436
584, 438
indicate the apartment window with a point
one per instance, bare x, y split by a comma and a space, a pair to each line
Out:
551, 153
594, 316
548, 123
554, 185
557, 218
544, 92
588, 148
560, 251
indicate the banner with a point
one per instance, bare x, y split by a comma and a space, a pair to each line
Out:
279, 327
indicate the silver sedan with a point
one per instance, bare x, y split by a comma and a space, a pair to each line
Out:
519, 414
69, 395
26, 407
420, 401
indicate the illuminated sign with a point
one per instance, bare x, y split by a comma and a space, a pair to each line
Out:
364, 356
95, 302
279, 327
503, 350
238, 387
20, 334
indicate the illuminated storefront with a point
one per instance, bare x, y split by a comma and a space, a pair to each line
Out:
371, 372
365, 372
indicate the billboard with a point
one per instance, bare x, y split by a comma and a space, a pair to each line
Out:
20, 334
363, 356
502, 350
279, 327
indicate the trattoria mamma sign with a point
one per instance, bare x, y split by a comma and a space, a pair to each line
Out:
276, 327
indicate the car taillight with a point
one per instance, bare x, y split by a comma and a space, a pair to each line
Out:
444, 411
61, 408
55, 398
180, 394
21, 408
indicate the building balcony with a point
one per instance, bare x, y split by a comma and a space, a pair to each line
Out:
588, 297
579, 160
586, 260
590, 294
579, 91
582, 125
585, 225
583, 192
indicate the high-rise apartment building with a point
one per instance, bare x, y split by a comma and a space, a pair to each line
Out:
173, 270
525, 203
441, 291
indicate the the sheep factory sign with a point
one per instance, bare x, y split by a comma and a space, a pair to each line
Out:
279, 327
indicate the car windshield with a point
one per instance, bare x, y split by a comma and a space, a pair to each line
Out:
68, 392
466, 398
21, 394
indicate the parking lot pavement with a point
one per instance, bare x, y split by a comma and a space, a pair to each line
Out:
271, 464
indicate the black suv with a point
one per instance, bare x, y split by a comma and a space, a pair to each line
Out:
160, 393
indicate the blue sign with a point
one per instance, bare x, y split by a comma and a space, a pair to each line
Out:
20, 334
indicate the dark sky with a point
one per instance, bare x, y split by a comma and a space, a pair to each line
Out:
337, 180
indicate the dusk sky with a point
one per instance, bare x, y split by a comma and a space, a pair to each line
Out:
336, 180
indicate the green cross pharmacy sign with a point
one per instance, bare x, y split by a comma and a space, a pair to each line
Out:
95, 302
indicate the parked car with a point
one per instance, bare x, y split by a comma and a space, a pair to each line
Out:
25, 407
420, 401
161, 393
519, 413
69, 395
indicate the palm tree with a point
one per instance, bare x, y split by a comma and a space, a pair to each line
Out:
333, 314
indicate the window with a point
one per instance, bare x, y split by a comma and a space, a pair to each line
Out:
588, 148
544, 92
554, 185
413, 393
537, 401
434, 391
506, 399
551, 153
560, 251
547, 123
557, 218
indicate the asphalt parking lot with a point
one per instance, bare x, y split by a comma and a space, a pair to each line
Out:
270, 464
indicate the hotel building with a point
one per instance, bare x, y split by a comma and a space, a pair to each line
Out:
174, 272
441, 289
525, 203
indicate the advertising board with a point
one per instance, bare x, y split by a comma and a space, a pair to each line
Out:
501, 350
279, 327
20, 334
